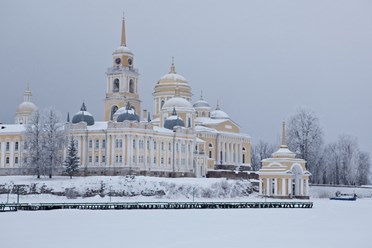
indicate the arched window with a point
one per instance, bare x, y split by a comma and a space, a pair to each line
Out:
203, 114
243, 156
161, 104
131, 86
189, 122
113, 110
116, 86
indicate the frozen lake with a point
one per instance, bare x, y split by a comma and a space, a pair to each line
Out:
329, 224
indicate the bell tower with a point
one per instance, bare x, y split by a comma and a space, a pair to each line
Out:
122, 80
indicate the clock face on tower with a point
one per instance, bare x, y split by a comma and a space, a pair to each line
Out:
117, 61
130, 61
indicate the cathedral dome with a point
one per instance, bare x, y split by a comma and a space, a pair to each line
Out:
172, 77
201, 103
26, 108
126, 113
83, 116
177, 102
173, 121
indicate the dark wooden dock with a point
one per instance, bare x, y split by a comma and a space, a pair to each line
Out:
151, 205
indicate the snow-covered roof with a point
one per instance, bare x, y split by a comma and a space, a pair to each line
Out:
209, 121
283, 152
98, 126
174, 77
11, 128
177, 102
201, 104
212, 130
122, 49
219, 114
162, 129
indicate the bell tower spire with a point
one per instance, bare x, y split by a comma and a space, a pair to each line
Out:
123, 37
284, 142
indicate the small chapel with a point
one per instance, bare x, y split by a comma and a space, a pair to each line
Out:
283, 175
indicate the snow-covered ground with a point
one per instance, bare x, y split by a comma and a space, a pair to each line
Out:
328, 224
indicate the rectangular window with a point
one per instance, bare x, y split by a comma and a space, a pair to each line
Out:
16, 146
103, 159
103, 143
154, 145
97, 159
120, 159
16, 160
120, 143
162, 146
7, 146
154, 160
97, 144
7, 160
90, 159
148, 145
134, 159
162, 160
117, 159
90, 143
134, 143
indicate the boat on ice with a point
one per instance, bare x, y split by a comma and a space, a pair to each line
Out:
344, 197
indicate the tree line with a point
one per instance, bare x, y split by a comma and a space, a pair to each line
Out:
340, 162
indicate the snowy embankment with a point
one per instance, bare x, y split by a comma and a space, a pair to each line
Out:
130, 188
122, 188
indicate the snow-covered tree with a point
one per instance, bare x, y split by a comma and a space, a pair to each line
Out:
72, 160
305, 137
34, 141
260, 151
364, 169
54, 138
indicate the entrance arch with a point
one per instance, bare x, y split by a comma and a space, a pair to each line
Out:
297, 176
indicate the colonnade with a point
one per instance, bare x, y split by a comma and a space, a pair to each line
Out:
283, 186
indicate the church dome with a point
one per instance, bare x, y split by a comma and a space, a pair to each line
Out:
26, 108
201, 103
219, 114
126, 113
173, 121
83, 116
172, 77
177, 102
122, 50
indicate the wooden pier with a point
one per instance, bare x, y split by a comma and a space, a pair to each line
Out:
151, 205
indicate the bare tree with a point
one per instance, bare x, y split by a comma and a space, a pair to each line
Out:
364, 169
33, 139
54, 138
305, 138
260, 151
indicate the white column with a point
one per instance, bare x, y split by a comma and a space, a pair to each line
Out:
301, 186
113, 141
260, 186
290, 186
307, 187
268, 184
275, 186
283, 186
2, 162
123, 150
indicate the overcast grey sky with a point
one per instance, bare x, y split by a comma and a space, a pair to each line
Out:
262, 59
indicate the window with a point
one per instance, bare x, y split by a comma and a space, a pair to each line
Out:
169, 146
97, 159
189, 122
162, 160
90, 143
97, 144
148, 145
120, 158
162, 146
90, 159
134, 159
103, 143
113, 110
16, 160
7, 160
140, 144
115, 87
16, 146
154, 145
177, 147
103, 159
154, 160
210, 154
117, 159
131, 86
134, 143
169, 160
7, 146
161, 104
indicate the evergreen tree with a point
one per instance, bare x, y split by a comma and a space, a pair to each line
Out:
72, 160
